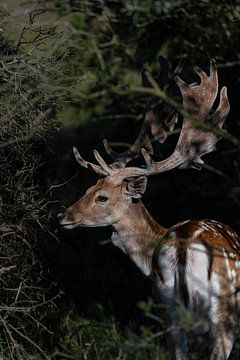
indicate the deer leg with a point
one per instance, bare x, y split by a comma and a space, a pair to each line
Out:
167, 289
223, 340
177, 343
175, 337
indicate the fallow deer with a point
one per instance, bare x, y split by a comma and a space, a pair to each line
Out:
194, 264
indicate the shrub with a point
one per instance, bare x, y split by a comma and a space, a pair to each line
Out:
30, 82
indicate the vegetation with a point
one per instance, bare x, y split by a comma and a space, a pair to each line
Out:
70, 74
30, 92
102, 338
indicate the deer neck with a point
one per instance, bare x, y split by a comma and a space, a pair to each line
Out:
137, 235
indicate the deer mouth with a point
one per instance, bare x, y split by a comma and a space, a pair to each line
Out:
69, 225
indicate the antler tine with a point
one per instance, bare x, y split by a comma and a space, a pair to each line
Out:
152, 129
87, 165
102, 163
199, 99
194, 141
222, 111
120, 159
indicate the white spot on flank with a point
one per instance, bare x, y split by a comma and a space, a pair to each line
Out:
197, 233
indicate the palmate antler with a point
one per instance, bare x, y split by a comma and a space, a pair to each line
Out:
199, 134
160, 117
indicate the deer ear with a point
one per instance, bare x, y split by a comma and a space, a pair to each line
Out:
136, 187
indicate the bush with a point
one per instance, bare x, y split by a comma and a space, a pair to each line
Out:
31, 90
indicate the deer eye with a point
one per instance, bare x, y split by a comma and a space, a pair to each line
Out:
101, 199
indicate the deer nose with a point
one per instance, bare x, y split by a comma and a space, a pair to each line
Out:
61, 215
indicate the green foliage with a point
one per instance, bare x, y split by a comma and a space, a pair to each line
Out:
110, 43
103, 338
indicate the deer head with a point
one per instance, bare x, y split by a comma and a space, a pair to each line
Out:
104, 203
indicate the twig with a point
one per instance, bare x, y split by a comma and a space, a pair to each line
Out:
62, 184
30, 341
31, 133
9, 228
5, 269
156, 91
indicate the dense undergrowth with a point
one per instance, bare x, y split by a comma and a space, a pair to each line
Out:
30, 92
105, 338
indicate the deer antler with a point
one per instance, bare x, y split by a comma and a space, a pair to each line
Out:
153, 128
196, 141
198, 135
87, 165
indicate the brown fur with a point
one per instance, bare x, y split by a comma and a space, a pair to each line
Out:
142, 238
